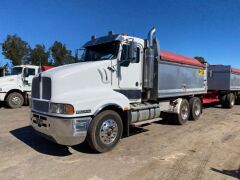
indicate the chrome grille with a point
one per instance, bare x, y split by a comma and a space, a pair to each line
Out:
42, 106
46, 88
36, 88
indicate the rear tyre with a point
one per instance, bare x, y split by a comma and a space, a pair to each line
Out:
183, 116
14, 100
105, 131
238, 100
229, 101
195, 108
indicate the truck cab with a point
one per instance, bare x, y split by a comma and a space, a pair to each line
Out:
16, 87
116, 85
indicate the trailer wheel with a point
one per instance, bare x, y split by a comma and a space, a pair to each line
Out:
105, 131
183, 116
15, 100
238, 100
229, 101
195, 108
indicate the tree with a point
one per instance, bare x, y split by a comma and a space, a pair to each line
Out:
200, 59
59, 53
39, 55
15, 49
69, 57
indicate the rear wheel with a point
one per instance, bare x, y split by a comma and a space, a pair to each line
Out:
15, 100
105, 131
228, 101
183, 116
195, 108
238, 100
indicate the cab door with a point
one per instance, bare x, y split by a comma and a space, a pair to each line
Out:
130, 73
28, 74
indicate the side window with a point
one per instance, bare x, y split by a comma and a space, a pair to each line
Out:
29, 71
124, 55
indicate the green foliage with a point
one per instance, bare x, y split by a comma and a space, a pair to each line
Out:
19, 52
59, 53
39, 55
200, 59
15, 49
69, 57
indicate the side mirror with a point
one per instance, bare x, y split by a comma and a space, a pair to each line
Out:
132, 53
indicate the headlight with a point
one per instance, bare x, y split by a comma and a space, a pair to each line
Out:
61, 108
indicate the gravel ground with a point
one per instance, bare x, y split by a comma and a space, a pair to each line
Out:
206, 149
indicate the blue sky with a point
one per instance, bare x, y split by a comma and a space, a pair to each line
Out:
208, 28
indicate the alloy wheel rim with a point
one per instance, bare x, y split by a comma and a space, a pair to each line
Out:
108, 131
197, 109
184, 112
16, 100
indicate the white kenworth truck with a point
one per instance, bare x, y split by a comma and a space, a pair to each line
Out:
16, 87
122, 81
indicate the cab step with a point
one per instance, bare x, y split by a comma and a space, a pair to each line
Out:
146, 122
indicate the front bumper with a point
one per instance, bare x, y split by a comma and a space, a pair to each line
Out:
65, 131
2, 96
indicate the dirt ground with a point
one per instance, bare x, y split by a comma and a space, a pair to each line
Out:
206, 149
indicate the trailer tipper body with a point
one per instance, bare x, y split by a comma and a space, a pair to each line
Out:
223, 85
122, 81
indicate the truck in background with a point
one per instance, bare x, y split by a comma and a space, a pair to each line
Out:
2, 71
15, 88
223, 86
123, 81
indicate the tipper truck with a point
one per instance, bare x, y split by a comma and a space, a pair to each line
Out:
122, 81
15, 88
223, 86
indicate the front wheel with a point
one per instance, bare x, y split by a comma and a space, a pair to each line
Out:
105, 131
15, 100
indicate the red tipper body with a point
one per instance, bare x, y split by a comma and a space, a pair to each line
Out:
45, 68
235, 71
168, 56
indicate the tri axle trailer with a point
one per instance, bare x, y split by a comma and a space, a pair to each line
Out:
122, 81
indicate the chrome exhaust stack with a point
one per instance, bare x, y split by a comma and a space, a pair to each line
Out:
150, 37
149, 61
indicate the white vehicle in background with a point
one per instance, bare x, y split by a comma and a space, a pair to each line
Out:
15, 88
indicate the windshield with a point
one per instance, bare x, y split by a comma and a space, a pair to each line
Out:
101, 52
16, 70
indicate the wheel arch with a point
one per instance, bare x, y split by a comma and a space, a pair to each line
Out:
124, 114
14, 90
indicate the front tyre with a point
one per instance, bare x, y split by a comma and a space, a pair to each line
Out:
105, 131
15, 100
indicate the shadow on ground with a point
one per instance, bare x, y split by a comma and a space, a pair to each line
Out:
2, 105
28, 136
232, 173
38, 143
